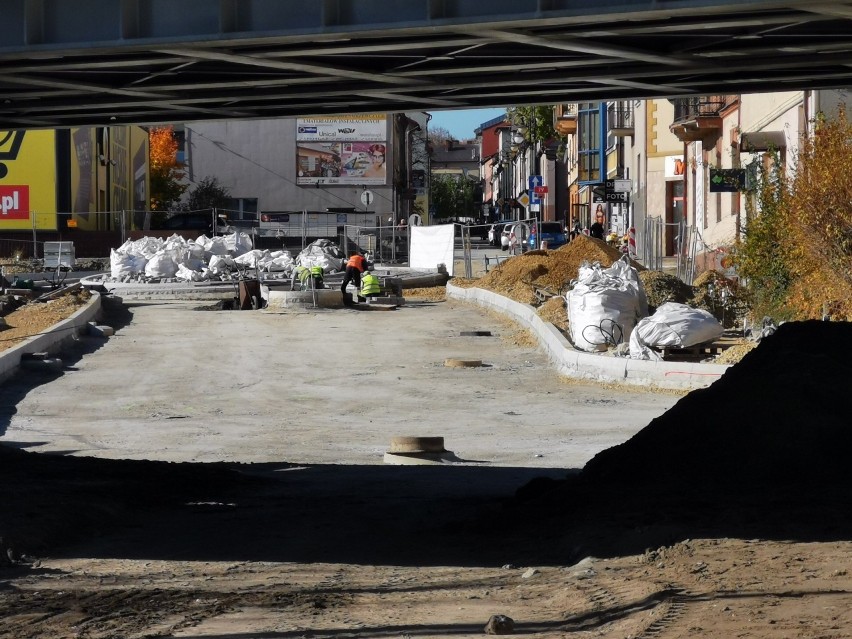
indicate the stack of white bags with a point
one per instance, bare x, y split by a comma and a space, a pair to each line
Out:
217, 258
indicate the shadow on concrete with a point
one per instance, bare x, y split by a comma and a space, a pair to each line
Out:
750, 457
113, 313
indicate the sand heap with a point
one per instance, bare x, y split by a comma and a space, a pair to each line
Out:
518, 277
778, 417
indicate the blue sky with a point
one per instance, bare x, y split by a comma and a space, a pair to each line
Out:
461, 124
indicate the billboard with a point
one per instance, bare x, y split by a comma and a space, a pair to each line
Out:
27, 180
84, 178
342, 150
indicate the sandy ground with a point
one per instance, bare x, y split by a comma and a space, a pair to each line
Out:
288, 524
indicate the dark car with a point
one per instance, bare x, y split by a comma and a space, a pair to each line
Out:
551, 232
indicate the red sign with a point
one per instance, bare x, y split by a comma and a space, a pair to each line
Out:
540, 190
14, 202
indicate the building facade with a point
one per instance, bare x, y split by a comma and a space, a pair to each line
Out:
372, 163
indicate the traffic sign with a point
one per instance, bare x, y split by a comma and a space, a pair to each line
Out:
534, 182
524, 200
367, 197
540, 190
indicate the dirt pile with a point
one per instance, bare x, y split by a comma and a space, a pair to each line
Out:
518, 277
661, 288
778, 417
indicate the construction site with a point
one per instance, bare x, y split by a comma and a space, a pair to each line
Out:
452, 466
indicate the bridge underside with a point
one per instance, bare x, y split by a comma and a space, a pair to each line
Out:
67, 63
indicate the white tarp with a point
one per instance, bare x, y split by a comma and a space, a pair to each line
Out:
432, 245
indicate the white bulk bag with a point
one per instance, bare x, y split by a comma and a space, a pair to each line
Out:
604, 305
673, 325
124, 264
162, 264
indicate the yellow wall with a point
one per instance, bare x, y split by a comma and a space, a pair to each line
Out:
28, 182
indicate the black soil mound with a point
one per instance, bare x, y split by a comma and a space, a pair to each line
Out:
781, 415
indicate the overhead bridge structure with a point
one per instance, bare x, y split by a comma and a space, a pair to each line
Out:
67, 63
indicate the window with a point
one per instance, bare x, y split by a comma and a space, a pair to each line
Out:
589, 142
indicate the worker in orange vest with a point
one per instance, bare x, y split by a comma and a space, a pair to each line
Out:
355, 265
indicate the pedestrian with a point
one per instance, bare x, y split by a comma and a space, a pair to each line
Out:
575, 229
597, 229
355, 265
370, 286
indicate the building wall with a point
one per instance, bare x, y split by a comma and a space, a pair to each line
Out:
257, 159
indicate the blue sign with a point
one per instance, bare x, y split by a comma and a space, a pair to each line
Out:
534, 181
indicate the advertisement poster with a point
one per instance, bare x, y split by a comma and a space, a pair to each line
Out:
342, 150
27, 180
83, 174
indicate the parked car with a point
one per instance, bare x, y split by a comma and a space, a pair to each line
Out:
496, 231
551, 232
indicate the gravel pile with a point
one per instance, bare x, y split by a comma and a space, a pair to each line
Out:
37, 317
518, 277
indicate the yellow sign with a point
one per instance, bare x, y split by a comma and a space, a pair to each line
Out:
27, 180
524, 200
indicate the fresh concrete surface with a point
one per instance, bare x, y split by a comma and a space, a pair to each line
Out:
325, 386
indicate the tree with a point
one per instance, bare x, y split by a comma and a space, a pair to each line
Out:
208, 194
535, 122
166, 172
438, 136
797, 248
453, 196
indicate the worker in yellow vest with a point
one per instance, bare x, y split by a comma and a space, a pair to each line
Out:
370, 286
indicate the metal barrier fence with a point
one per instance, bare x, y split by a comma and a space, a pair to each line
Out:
652, 239
387, 244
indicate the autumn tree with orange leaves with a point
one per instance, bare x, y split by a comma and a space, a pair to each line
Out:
797, 249
166, 171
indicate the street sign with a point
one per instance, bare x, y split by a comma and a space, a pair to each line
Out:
535, 181
524, 200
540, 190
616, 196
727, 180
367, 197
620, 186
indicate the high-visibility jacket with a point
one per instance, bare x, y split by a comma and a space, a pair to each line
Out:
316, 272
370, 285
303, 273
357, 261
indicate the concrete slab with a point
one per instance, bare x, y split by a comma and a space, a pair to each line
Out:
324, 386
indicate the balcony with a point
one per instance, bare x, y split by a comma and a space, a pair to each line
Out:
620, 120
565, 119
700, 118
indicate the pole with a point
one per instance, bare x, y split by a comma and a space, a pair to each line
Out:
35, 245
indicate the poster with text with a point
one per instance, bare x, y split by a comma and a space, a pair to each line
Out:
341, 150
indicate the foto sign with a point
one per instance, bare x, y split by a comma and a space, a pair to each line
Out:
616, 196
